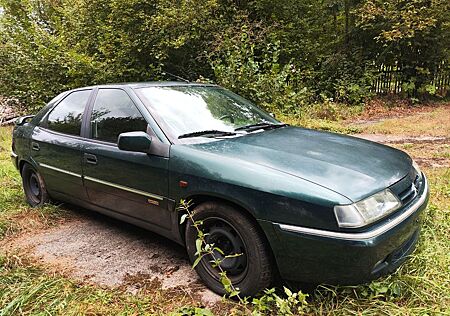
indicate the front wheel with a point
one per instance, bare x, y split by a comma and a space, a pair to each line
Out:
34, 187
234, 233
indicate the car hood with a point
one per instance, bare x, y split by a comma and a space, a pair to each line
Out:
350, 166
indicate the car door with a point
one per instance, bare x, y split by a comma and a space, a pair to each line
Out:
56, 146
131, 183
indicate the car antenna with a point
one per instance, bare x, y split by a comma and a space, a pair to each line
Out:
174, 76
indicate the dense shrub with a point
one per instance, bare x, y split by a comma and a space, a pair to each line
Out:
283, 55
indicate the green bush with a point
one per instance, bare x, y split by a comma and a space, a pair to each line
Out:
283, 55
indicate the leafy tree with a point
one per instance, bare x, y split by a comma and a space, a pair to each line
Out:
283, 55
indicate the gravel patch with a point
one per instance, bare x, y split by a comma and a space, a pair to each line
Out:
99, 250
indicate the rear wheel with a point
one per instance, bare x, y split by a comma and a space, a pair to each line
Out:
34, 187
234, 233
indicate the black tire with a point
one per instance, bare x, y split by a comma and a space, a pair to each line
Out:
232, 232
34, 187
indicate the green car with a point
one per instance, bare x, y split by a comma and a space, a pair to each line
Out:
291, 203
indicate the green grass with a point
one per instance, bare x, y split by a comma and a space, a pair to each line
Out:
326, 116
28, 290
435, 122
420, 287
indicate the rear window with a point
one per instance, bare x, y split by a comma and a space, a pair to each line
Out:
67, 116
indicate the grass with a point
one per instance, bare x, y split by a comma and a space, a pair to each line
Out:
322, 124
326, 116
419, 287
431, 123
427, 154
30, 290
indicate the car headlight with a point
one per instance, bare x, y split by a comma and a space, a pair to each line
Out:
366, 211
417, 168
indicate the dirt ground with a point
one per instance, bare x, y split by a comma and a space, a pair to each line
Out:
429, 151
423, 132
92, 248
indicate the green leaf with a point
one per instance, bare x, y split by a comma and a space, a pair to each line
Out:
183, 218
225, 279
219, 250
196, 262
234, 255
198, 245
234, 293
287, 291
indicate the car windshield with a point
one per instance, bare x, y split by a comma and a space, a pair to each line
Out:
192, 109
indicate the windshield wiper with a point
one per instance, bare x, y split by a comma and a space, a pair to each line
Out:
207, 133
252, 127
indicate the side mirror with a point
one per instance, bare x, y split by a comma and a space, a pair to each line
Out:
23, 119
135, 141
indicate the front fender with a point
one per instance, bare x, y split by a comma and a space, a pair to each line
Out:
266, 193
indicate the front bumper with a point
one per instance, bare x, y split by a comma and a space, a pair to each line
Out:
320, 256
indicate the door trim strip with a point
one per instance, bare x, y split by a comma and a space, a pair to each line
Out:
121, 187
60, 170
117, 186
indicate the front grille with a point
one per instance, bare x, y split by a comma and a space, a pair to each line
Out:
407, 188
411, 192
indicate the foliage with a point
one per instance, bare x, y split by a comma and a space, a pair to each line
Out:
284, 55
413, 35
262, 78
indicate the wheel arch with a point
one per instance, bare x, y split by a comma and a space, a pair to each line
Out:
22, 163
196, 199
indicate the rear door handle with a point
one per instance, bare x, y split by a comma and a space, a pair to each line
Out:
91, 159
35, 146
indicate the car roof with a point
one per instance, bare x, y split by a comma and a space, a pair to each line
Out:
135, 85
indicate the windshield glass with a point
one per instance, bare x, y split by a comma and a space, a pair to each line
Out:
189, 109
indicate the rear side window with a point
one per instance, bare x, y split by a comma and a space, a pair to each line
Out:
66, 117
115, 113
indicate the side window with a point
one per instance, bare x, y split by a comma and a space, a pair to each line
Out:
66, 117
114, 113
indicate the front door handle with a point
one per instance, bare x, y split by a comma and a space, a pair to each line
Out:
35, 146
91, 159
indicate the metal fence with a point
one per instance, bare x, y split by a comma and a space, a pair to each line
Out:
390, 80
